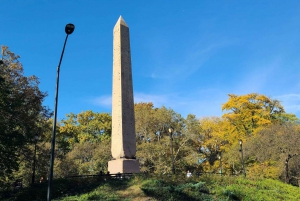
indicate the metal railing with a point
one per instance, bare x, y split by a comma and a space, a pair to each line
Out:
106, 176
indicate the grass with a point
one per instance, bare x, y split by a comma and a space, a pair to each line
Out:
157, 187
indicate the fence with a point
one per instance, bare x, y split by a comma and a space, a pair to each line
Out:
105, 176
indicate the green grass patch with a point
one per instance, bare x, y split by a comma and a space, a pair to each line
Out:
158, 187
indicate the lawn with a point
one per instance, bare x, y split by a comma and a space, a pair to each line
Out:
159, 187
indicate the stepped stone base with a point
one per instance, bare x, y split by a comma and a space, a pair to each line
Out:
123, 166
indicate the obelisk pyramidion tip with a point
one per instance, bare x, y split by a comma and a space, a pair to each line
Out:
121, 21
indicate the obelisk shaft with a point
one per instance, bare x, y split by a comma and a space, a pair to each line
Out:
123, 122
123, 144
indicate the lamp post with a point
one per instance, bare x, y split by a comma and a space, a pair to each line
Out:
171, 142
242, 154
36, 138
69, 30
220, 159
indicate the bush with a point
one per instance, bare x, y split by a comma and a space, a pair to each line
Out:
162, 190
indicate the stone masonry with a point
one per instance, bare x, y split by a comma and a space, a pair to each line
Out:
123, 144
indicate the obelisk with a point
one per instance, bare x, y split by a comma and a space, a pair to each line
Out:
123, 143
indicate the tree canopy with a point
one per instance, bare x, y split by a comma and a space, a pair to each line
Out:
249, 112
21, 109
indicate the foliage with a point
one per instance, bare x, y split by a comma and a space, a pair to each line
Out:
276, 149
85, 126
85, 158
154, 142
248, 113
152, 124
262, 190
83, 144
22, 114
212, 142
162, 190
263, 170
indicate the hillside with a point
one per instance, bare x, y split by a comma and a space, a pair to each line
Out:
153, 187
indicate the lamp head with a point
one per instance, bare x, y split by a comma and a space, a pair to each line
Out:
241, 142
36, 137
69, 28
170, 130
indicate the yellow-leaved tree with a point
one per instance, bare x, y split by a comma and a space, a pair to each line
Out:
248, 113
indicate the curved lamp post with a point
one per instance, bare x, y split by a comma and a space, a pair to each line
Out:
171, 142
69, 30
242, 154
36, 138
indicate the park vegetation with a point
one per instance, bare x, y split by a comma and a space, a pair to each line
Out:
210, 145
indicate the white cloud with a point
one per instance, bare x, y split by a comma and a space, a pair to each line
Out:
201, 103
156, 99
189, 61
290, 102
258, 76
104, 101
289, 97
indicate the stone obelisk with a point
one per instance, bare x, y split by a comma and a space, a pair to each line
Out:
123, 144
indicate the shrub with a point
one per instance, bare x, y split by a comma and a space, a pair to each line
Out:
162, 190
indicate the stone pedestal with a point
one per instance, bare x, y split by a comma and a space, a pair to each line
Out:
123, 166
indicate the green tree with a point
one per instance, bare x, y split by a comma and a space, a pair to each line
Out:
154, 144
22, 113
83, 144
85, 126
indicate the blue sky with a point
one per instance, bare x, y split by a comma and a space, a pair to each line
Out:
186, 55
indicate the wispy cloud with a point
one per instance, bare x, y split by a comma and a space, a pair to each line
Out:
189, 61
103, 101
258, 76
156, 99
197, 104
106, 100
291, 102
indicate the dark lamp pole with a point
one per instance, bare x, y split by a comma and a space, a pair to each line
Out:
36, 138
69, 30
242, 156
171, 142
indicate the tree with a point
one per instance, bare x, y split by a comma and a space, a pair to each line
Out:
248, 113
22, 112
85, 126
83, 143
214, 141
85, 158
246, 116
275, 149
153, 137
